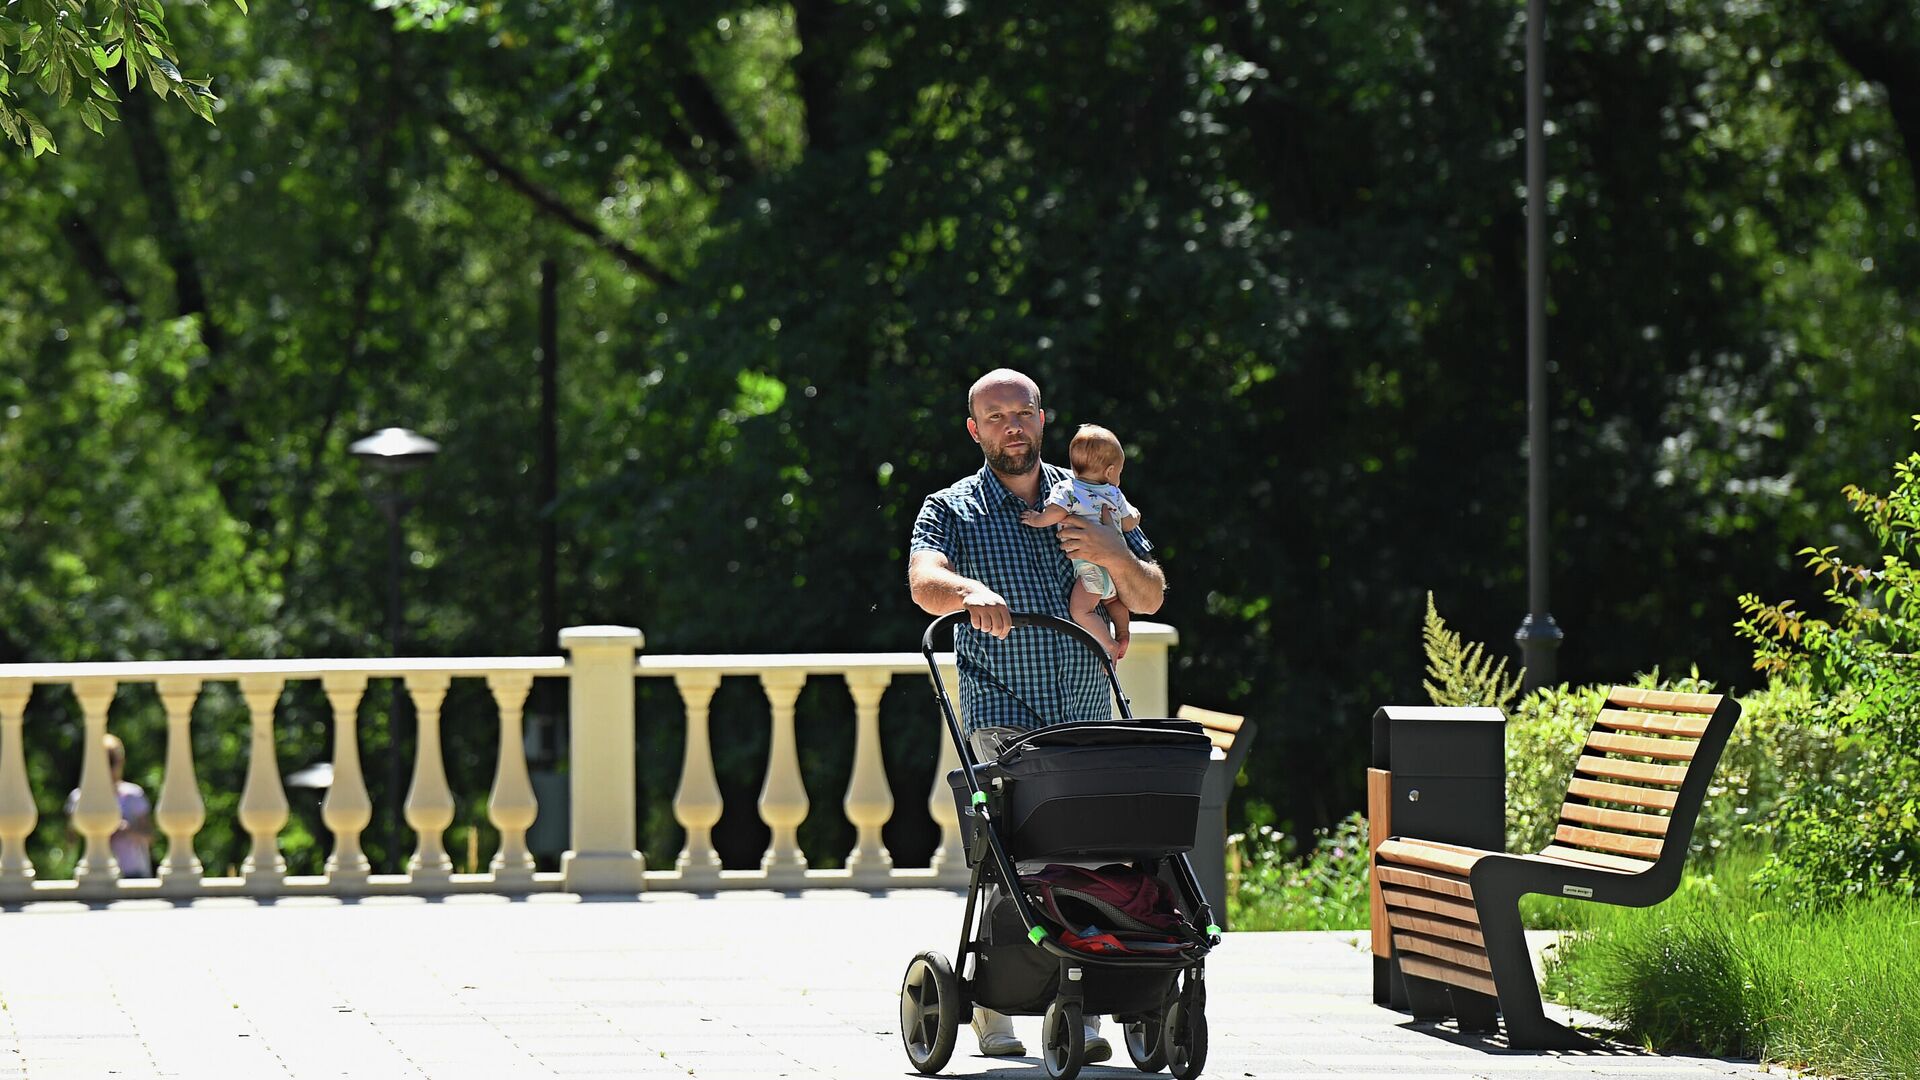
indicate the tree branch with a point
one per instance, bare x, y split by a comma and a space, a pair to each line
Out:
816, 69
551, 204
702, 113
92, 255
156, 180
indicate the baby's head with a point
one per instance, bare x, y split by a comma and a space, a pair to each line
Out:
1096, 455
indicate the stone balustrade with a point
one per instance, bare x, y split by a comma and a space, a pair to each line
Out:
602, 856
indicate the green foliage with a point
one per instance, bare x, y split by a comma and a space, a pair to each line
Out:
1275, 886
65, 48
1459, 674
1857, 829
1777, 748
1732, 969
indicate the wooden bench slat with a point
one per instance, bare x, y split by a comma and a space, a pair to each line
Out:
1441, 971
1207, 718
1433, 926
1652, 824
1221, 739
1610, 842
1691, 727
1465, 956
1596, 859
1447, 860
1429, 903
1665, 700
1445, 884
1652, 798
1644, 772
1643, 746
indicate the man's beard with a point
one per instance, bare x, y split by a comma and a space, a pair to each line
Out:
1007, 464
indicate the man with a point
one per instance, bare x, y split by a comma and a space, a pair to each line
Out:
970, 552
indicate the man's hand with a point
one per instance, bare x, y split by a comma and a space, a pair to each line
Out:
1082, 539
989, 611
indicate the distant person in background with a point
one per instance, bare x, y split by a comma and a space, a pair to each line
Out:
132, 842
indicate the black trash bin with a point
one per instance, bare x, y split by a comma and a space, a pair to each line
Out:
1438, 774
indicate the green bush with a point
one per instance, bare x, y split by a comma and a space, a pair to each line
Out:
1274, 887
1856, 829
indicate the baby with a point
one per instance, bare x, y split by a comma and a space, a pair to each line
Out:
1097, 459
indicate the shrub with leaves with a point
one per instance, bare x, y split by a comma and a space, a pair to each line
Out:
1462, 674
1855, 830
1275, 887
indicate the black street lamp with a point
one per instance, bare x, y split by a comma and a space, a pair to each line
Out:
390, 454
1539, 636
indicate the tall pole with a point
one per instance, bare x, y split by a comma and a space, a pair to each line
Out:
395, 508
1539, 636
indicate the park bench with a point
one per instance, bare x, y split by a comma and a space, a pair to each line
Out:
1452, 912
1232, 738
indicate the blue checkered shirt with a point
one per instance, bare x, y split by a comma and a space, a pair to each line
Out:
976, 525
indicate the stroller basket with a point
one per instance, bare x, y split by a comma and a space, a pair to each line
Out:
1126, 790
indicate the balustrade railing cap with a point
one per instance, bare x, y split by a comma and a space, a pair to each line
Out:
1157, 632
573, 637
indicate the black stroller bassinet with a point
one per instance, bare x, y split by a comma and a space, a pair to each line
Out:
1124, 791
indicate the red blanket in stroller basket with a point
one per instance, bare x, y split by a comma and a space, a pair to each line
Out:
1115, 910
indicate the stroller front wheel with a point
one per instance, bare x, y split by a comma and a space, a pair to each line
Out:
1185, 1038
1063, 1040
929, 1012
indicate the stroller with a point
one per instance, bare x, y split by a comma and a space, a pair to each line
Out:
1125, 790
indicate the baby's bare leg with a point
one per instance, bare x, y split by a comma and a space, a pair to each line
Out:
1122, 620
1084, 606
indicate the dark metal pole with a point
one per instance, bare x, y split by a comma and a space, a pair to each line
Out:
1539, 636
549, 457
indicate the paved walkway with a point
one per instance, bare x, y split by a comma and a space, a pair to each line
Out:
744, 985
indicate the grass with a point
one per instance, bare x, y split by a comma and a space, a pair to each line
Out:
1721, 968
1273, 886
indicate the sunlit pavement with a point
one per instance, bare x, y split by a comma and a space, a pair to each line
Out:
741, 985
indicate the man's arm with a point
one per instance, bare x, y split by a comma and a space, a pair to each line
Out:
1139, 583
939, 590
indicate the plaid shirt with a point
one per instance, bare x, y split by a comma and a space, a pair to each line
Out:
976, 525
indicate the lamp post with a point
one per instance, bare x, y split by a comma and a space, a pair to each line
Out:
1539, 636
389, 455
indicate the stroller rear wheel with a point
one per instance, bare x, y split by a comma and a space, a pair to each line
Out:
929, 1012
1063, 1040
1185, 1038
1146, 1044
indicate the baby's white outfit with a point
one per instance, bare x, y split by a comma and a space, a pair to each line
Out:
1087, 500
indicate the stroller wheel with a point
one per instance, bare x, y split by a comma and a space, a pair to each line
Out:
1146, 1044
1063, 1040
929, 1012
1185, 1039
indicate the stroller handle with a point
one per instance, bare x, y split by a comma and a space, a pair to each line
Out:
1021, 618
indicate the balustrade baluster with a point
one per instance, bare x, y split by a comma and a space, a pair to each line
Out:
180, 813
511, 805
869, 801
949, 863
97, 813
429, 799
783, 797
263, 801
697, 804
18, 815
348, 809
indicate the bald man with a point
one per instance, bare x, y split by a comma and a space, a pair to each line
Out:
970, 552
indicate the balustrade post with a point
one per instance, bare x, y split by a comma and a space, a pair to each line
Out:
263, 801
949, 863
429, 799
18, 815
97, 812
511, 805
697, 804
347, 809
1143, 674
869, 801
783, 795
180, 813
603, 857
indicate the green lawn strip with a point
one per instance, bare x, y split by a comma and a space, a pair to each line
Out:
1726, 970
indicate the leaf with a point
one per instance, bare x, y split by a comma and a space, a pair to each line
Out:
166, 67
242, 5
90, 116
38, 137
